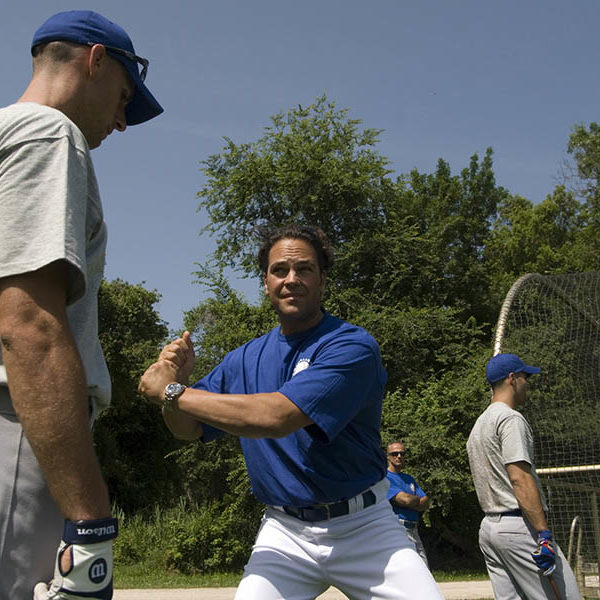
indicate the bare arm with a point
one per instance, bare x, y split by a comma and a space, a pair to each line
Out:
48, 389
423, 504
412, 501
253, 416
527, 494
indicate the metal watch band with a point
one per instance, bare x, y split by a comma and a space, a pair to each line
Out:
172, 392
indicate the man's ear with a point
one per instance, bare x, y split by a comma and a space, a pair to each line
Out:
323, 282
265, 284
96, 59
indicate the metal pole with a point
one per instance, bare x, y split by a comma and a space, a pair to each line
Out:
596, 526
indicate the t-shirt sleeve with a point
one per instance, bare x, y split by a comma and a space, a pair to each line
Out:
337, 385
418, 491
43, 210
516, 439
403, 483
394, 487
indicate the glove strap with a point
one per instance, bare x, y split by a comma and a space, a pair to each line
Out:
90, 531
545, 535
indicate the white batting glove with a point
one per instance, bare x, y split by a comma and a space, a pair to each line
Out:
91, 573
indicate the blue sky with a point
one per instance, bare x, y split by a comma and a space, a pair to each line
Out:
443, 78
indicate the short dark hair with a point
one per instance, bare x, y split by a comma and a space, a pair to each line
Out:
312, 235
396, 442
58, 51
497, 384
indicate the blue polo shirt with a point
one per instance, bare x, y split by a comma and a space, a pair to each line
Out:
401, 482
334, 374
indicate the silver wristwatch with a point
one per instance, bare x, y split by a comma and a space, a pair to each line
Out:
172, 392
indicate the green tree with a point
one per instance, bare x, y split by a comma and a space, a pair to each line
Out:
452, 215
584, 147
312, 164
131, 439
546, 238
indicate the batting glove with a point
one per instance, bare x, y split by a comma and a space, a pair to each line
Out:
91, 573
544, 555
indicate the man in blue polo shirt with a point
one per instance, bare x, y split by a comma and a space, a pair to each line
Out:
408, 500
305, 400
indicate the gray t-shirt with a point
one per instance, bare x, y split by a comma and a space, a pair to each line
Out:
50, 210
500, 436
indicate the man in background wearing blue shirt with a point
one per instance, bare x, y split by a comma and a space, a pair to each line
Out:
305, 400
408, 500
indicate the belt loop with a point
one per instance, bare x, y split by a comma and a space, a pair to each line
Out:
355, 504
360, 502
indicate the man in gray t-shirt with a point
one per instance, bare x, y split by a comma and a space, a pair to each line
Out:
86, 83
522, 559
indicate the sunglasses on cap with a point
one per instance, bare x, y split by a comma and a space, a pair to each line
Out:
144, 62
397, 453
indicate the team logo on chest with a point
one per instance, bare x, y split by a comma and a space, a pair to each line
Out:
302, 364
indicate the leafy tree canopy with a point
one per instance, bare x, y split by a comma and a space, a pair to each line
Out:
131, 439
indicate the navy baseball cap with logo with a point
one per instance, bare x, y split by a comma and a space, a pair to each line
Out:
502, 365
87, 27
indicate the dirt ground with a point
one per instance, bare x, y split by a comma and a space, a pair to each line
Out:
454, 590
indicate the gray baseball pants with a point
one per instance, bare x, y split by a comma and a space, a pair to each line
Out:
507, 543
30, 523
412, 533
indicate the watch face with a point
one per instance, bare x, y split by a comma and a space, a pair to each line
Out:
174, 388
172, 391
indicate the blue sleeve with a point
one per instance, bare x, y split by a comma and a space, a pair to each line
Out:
394, 487
344, 378
405, 483
418, 491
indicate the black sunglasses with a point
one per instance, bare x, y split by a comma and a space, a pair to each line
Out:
144, 62
396, 453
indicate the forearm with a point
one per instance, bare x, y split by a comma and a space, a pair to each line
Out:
182, 425
252, 416
423, 504
528, 497
406, 500
529, 500
49, 394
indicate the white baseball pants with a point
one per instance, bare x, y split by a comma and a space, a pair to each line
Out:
366, 555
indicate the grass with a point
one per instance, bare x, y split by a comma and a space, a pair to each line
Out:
145, 575
470, 575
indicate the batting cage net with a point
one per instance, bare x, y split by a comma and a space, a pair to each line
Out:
553, 321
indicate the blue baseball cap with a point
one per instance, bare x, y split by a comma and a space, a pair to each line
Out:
87, 27
502, 365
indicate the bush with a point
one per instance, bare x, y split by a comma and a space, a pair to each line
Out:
188, 538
